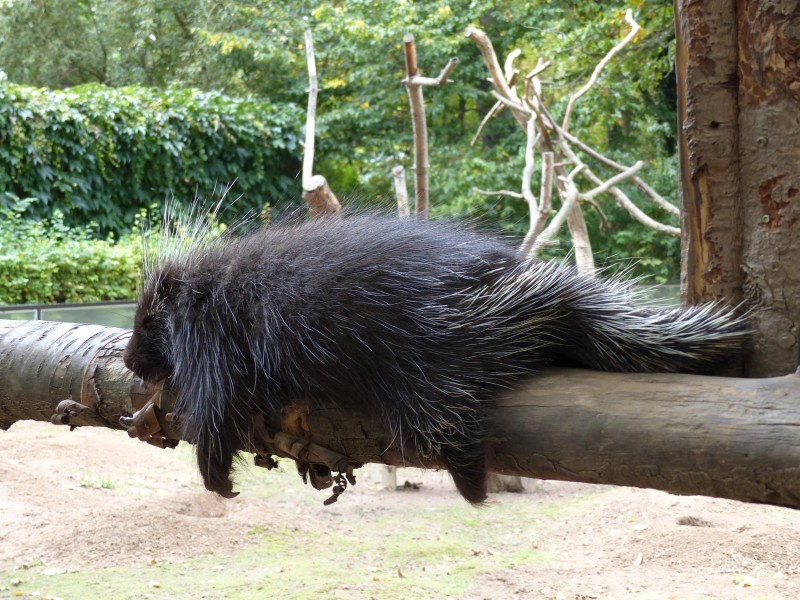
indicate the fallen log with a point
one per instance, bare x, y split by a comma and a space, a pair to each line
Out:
685, 434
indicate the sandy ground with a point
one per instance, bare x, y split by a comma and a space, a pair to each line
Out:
69, 500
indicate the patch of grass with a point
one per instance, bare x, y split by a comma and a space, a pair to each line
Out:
96, 482
415, 549
345, 560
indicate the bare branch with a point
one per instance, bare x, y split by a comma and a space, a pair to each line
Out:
515, 106
498, 193
493, 112
546, 191
542, 66
534, 209
609, 183
620, 197
400, 190
316, 192
414, 84
530, 163
511, 76
508, 66
653, 195
547, 236
420, 128
442, 78
311, 113
600, 66
581, 243
545, 207
498, 79
533, 85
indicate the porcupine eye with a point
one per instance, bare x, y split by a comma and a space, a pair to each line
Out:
145, 353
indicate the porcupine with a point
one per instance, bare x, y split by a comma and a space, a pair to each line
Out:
422, 324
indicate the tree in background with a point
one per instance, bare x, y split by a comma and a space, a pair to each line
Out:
363, 128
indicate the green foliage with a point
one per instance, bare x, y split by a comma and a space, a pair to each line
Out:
47, 261
100, 155
256, 48
627, 244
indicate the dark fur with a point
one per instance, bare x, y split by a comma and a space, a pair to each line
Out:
421, 324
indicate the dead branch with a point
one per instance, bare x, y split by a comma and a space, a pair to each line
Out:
547, 236
400, 190
622, 199
515, 106
493, 112
545, 206
500, 83
540, 68
498, 193
414, 84
653, 195
686, 434
510, 74
546, 189
599, 68
316, 192
527, 172
613, 181
530, 111
584, 258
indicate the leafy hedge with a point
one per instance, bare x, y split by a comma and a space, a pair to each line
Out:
101, 154
44, 262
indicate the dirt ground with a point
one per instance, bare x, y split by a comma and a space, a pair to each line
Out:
77, 503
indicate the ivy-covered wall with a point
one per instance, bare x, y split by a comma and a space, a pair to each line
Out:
46, 261
101, 154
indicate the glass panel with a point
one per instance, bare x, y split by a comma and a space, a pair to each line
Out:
110, 316
664, 295
18, 315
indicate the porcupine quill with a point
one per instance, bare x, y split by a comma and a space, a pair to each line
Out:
422, 324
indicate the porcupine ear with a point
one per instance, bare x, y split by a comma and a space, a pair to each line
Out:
205, 400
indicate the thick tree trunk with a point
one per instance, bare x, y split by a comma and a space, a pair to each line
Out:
739, 127
706, 63
732, 438
769, 161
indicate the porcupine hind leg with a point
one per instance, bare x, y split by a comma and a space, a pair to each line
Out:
467, 466
215, 456
451, 426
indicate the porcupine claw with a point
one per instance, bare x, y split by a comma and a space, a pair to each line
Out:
226, 490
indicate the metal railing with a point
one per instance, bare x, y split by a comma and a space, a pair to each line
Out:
115, 314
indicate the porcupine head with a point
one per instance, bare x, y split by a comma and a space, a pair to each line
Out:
172, 340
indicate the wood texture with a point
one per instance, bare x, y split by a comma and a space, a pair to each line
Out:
725, 437
769, 160
706, 65
739, 130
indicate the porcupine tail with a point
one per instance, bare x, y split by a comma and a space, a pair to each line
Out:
591, 322
541, 313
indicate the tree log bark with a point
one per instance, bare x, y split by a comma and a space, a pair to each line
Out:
713, 436
769, 160
708, 138
319, 197
738, 117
